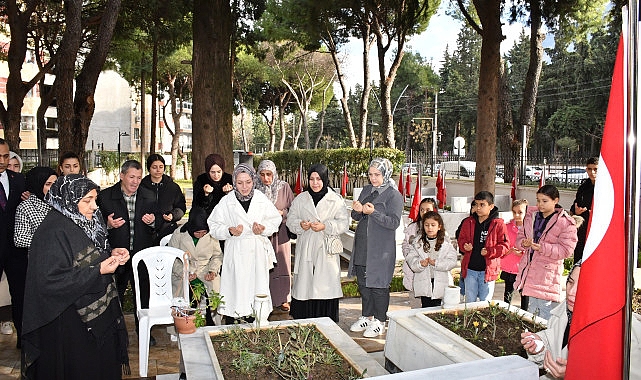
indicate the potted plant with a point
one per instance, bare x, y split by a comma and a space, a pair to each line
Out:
186, 317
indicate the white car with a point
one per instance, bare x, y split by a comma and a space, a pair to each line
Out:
411, 166
573, 176
533, 173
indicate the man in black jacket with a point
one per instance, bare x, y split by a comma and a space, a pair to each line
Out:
12, 260
128, 212
582, 205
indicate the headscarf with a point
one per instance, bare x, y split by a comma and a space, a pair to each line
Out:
244, 168
64, 196
385, 167
197, 221
272, 190
36, 178
214, 159
323, 173
15, 155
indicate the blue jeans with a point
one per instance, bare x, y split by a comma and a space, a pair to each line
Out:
541, 308
476, 287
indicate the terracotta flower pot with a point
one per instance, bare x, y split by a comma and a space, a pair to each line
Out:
184, 324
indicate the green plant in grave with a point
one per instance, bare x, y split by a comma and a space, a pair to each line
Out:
198, 290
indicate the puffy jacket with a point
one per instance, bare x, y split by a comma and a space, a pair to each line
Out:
496, 243
510, 262
540, 272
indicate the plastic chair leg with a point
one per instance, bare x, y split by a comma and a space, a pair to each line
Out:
143, 346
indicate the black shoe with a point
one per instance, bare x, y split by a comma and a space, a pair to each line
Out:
152, 341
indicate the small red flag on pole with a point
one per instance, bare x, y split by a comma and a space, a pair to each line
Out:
441, 190
514, 184
542, 179
345, 180
401, 186
299, 180
417, 197
408, 183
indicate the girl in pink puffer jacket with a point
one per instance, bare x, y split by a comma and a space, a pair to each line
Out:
548, 237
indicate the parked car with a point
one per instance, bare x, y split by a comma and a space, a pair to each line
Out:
573, 176
412, 167
462, 169
533, 173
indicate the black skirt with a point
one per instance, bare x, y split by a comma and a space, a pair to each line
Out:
314, 309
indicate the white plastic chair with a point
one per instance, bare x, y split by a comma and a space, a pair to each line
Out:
159, 262
165, 240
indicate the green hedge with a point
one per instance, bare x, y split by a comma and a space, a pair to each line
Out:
357, 159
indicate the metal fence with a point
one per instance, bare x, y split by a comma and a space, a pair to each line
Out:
560, 170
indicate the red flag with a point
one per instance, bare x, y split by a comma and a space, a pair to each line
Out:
542, 178
514, 183
345, 180
408, 183
417, 198
596, 334
299, 180
401, 187
441, 190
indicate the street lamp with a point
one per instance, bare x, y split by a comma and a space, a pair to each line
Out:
120, 134
371, 139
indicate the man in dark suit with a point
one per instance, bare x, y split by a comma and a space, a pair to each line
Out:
12, 260
128, 212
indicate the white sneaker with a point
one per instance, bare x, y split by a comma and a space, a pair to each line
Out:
361, 324
375, 329
6, 328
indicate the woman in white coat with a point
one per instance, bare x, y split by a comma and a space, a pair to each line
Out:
245, 219
314, 215
206, 255
431, 257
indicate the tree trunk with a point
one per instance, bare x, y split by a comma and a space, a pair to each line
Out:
386, 83
84, 104
65, 72
526, 115
213, 97
154, 96
143, 115
367, 86
45, 101
281, 123
489, 12
322, 115
271, 124
347, 116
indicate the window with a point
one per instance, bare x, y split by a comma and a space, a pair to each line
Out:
27, 123
52, 124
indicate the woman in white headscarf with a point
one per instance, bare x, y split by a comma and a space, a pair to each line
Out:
378, 211
245, 219
281, 195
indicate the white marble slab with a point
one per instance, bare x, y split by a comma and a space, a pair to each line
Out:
198, 364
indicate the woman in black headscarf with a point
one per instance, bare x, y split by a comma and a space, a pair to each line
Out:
212, 185
32, 211
315, 215
206, 256
71, 302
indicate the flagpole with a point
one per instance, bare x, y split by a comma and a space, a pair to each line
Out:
632, 166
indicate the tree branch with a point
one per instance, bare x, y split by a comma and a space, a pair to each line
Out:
469, 18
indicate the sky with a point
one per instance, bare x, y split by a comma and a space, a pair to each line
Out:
440, 34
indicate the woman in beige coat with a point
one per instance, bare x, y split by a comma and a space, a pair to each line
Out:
206, 255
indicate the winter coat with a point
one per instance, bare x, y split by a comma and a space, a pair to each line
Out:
445, 260
510, 262
248, 257
111, 201
540, 271
552, 337
411, 232
381, 236
208, 202
496, 243
317, 274
206, 257
169, 200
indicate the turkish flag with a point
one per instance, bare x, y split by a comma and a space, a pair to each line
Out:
595, 347
441, 190
408, 183
542, 178
401, 187
416, 202
345, 180
514, 184
299, 180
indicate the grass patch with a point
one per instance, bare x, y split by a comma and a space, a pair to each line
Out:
350, 288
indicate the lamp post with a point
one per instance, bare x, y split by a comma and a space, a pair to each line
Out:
120, 134
371, 139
